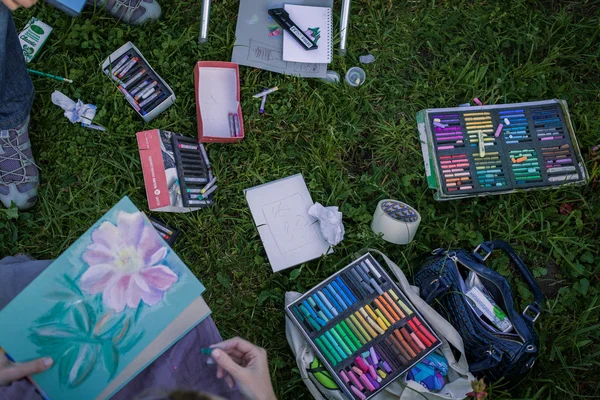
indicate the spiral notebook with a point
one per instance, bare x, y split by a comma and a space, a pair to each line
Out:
316, 23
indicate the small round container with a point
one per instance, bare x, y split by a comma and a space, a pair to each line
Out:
355, 76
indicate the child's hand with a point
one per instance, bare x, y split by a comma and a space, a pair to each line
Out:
10, 372
14, 4
245, 364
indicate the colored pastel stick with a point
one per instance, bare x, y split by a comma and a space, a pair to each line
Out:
417, 341
322, 306
355, 380
309, 317
339, 334
376, 286
381, 324
342, 294
358, 393
325, 351
354, 286
392, 308
346, 290
405, 350
420, 334
425, 331
337, 296
308, 307
363, 333
300, 318
336, 345
383, 318
385, 311
409, 340
351, 334
321, 315
332, 299
365, 325
340, 342
363, 378
369, 311
327, 303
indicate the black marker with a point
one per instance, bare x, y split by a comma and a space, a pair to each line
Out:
283, 19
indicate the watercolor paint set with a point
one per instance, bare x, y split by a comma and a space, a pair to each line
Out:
363, 328
169, 234
177, 172
144, 89
482, 150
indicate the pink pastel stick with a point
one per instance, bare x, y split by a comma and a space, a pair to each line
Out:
360, 363
372, 372
355, 380
445, 147
367, 383
499, 130
477, 101
344, 376
358, 393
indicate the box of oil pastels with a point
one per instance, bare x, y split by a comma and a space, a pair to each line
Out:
143, 88
177, 173
363, 328
481, 150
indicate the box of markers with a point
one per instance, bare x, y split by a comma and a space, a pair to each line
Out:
177, 172
482, 150
218, 107
363, 328
143, 88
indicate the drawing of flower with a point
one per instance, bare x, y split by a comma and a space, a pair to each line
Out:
125, 264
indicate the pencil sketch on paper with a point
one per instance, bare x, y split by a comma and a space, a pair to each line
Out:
265, 54
98, 312
290, 225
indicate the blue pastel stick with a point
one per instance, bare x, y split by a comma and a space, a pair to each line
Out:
346, 290
320, 321
341, 292
337, 296
325, 310
310, 309
332, 299
327, 303
322, 315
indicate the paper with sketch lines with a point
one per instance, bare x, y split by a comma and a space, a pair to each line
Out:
280, 212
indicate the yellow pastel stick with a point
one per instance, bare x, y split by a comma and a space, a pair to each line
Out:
381, 324
383, 318
360, 328
376, 325
370, 311
366, 325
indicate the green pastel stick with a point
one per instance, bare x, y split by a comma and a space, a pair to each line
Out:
337, 350
350, 335
345, 338
354, 329
325, 351
309, 318
341, 342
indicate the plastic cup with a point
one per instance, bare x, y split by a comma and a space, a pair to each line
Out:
355, 76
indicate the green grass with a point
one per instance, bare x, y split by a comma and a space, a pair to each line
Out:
354, 148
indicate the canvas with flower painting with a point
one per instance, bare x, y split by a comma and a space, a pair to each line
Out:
110, 304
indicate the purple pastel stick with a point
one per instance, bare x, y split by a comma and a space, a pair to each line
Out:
373, 381
445, 116
374, 358
439, 125
449, 138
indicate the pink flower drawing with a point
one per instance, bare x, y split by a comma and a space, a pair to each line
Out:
126, 264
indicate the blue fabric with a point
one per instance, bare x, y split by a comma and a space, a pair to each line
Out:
16, 88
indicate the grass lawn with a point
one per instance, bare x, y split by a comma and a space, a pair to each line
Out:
354, 146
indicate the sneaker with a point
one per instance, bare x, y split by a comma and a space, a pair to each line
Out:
19, 176
130, 12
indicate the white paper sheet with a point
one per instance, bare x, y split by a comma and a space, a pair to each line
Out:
217, 98
280, 212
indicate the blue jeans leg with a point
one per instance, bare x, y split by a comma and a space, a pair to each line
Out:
16, 88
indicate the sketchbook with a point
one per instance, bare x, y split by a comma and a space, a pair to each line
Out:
316, 23
280, 212
105, 309
259, 40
